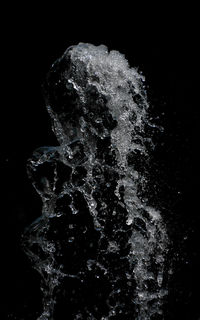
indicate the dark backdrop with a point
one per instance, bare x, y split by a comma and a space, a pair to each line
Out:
168, 60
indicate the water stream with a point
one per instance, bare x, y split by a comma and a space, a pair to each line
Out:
99, 246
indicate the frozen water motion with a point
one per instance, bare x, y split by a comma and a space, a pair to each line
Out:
99, 246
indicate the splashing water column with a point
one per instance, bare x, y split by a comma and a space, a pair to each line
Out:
99, 247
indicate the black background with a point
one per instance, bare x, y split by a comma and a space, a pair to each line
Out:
166, 54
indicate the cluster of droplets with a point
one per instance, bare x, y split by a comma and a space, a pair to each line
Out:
100, 139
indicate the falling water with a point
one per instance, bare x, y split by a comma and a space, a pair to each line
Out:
99, 247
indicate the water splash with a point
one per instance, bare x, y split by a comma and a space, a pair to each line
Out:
99, 247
